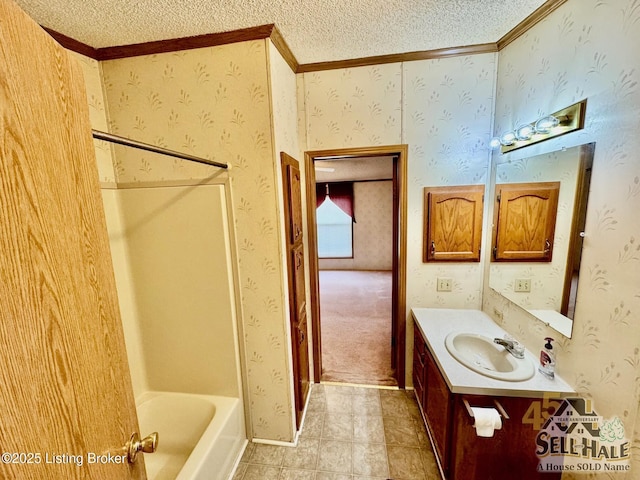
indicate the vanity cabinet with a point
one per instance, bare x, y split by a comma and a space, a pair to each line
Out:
461, 454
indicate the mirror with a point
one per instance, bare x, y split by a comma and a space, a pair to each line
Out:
547, 289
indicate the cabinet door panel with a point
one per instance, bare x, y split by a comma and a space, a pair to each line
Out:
438, 400
526, 221
453, 223
418, 367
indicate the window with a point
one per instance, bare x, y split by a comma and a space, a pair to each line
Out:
335, 231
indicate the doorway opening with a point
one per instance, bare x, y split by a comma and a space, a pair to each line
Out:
358, 313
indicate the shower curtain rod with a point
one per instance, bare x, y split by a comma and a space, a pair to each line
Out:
109, 137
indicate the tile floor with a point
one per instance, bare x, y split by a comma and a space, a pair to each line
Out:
350, 433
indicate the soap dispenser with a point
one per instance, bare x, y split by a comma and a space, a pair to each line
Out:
547, 359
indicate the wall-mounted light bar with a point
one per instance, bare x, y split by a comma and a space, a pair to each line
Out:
563, 121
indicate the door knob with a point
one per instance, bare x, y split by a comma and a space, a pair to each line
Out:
135, 445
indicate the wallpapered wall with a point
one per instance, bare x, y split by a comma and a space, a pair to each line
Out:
443, 110
372, 232
547, 278
92, 71
589, 49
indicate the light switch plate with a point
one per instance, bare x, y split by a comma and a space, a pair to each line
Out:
522, 285
444, 285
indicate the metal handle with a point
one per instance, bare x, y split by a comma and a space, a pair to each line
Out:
147, 445
547, 246
433, 248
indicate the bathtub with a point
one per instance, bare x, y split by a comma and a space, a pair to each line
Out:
199, 436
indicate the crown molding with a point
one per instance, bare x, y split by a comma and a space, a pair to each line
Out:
72, 44
399, 57
271, 31
186, 43
524, 26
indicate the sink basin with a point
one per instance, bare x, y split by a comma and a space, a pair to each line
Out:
481, 355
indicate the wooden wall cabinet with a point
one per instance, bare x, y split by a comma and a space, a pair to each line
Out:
453, 223
525, 221
460, 453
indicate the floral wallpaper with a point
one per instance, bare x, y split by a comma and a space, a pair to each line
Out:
92, 71
443, 110
589, 49
216, 103
372, 232
353, 107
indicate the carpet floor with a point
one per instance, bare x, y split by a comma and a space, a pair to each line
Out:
355, 326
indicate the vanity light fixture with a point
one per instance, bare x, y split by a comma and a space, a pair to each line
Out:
550, 126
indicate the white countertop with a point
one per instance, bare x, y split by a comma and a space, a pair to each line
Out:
436, 323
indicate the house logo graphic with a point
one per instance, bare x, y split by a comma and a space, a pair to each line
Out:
576, 439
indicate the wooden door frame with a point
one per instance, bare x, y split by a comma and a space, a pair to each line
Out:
400, 153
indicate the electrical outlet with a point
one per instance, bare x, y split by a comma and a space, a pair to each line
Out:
444, 284
522, 285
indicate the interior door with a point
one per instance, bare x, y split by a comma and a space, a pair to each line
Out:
296, 275
66, 401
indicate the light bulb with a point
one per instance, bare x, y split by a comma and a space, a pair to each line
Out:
508, 138
545, 124
495, 142
524, 132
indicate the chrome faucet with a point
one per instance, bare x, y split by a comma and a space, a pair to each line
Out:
511, 346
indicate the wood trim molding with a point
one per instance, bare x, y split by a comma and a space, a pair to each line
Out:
539, 14
72, 44
281, 45
399, 57
186, 43
271, 31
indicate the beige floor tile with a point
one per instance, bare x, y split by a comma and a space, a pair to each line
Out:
332, 476
242, 467
338, 426
370, 459
335, 456
400, 431
405, 463
313, 423
394, 405
338, 402
247, 452
304, 456
366, 405
261, 472
267, 454
369, 428
338, 443
296, 474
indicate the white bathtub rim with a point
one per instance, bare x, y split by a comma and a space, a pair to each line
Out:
226, 408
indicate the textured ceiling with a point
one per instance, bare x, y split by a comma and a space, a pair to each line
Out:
315, 30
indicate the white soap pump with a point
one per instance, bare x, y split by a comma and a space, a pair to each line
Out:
547, 359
